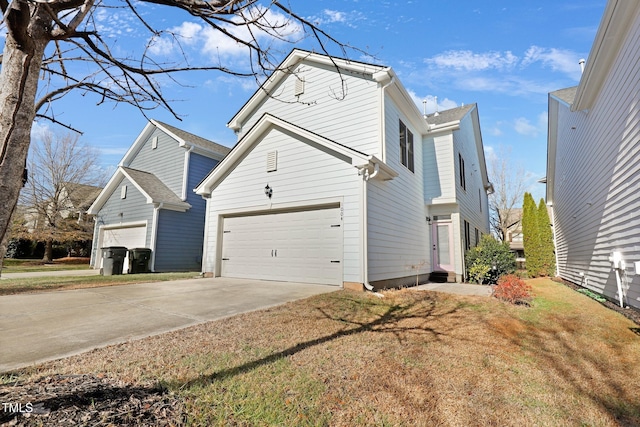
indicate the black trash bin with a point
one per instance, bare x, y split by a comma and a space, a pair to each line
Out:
113, 260
139, 260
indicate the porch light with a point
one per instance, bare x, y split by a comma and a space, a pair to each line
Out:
268, 191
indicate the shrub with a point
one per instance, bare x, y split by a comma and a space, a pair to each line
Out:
478, 272
512, 289
491, 258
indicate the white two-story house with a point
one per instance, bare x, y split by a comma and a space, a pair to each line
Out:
337, 178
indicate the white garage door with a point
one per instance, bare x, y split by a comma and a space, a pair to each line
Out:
129, 237
303, 246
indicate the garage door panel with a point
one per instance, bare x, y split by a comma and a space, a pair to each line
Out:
129, 237
291, 246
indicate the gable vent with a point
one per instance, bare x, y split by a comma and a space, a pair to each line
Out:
299, 89
154, 143
272, 161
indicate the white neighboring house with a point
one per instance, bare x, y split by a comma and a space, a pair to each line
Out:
337, 178
593, 167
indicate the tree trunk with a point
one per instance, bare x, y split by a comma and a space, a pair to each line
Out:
22, 58
48, 251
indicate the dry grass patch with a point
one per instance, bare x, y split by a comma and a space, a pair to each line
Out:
411, 358
54, 283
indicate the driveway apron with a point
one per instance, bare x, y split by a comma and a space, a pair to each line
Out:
39, 327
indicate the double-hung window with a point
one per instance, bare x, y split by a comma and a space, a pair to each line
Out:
406, 147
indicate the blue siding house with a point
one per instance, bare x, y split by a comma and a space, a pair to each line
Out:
149, 201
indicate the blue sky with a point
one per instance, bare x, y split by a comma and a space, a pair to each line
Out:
504, 55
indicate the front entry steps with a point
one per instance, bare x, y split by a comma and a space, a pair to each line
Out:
442, 277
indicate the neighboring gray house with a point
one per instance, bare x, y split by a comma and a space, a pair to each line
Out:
358, 191
593, 167
149, 201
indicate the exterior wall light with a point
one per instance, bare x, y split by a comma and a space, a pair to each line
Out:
268, 191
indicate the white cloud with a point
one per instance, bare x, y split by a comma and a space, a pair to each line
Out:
330, 16
466, 60
495, 131
335, 16
561, 60
524, 126
443, 104
39, 130
271, 28
506, 72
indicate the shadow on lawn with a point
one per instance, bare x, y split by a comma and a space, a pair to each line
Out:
413, 317
585, 367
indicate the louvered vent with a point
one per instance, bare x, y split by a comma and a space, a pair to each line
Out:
272, 161
299, 90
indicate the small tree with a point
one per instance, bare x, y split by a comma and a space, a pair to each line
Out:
56, 165
547, 254
489, 260
531, 235
509, 182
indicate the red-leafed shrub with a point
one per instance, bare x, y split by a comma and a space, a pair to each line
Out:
512, 289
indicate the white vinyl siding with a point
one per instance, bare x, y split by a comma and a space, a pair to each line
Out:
352, 121
398, 233
439, 172
464, 145
596, 198
306, 176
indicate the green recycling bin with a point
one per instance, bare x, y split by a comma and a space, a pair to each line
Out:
139, 260
113, 260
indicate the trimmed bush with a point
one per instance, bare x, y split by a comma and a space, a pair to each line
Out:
489, 260
512, 289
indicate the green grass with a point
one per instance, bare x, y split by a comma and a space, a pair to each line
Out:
35, 265
49, 283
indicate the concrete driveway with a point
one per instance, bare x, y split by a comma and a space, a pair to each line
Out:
46, 326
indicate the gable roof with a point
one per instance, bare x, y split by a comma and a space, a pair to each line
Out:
81, 196
567, 95
286, 68
448, 116
185, 139
268, 121
154, 190
449, 121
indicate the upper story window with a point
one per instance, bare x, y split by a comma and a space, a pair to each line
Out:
406, 147
467, 235
463, 180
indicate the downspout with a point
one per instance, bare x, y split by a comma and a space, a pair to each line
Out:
185, 173
555, 246
364, 171
154, 234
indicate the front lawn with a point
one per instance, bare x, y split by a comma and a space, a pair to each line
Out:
51, 283
352, 359
10, 265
